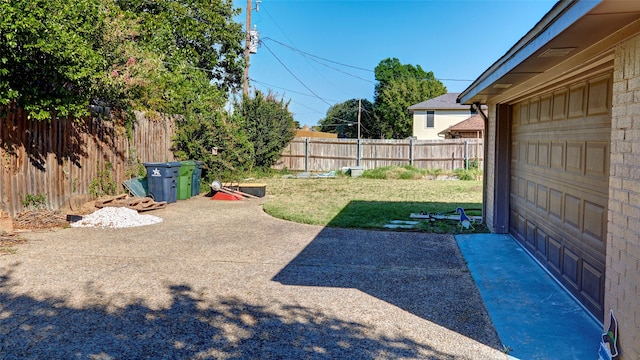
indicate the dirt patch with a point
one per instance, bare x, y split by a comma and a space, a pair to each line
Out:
8, 241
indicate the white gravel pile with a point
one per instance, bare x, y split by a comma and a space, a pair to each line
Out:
116, 217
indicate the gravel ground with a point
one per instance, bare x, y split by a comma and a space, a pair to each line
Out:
223, 280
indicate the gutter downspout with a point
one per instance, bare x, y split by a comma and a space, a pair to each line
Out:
478, 107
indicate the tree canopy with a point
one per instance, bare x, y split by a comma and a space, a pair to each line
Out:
57, 57
269, 126
400, 86
50, 54
342, 119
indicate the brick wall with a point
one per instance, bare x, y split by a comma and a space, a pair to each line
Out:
622, 283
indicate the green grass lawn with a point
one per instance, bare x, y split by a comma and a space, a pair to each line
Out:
371, 203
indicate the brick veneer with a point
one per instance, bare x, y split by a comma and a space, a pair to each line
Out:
622, 283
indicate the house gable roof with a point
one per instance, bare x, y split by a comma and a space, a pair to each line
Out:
474, 123
471, 124
442, 102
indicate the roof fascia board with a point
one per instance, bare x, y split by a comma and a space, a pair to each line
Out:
557, 20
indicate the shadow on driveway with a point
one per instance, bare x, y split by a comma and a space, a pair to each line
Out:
228, 328
424, 274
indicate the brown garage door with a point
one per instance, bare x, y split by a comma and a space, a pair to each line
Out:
559, 183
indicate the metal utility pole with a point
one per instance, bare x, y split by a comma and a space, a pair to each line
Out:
247, 45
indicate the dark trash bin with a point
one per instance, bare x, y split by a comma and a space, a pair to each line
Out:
196, 178
184, 179
162, 180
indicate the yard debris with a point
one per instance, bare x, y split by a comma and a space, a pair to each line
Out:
221, 191
137, 203
307, 175
39, 219
401, 224
440, 216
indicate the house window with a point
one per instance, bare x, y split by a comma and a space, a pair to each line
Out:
430, 123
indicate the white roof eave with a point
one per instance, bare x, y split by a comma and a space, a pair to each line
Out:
557, 20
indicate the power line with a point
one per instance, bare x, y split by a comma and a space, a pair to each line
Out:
291, 42
347, 65
318, 57
281, 88
294, 75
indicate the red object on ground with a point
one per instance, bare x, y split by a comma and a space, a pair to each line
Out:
222, 196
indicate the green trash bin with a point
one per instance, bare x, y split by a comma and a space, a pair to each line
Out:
184, 179
196, 178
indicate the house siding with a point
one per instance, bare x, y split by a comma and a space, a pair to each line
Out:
442, 120
622, 282
489, 171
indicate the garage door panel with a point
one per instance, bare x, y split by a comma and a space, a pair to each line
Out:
560, 183
545, 107
556, 204
570, 262
577, 103
596, 158
557, 155
554, 255
574, 158
572, 212
542, 193
592, 284
559, 107
599, 102
541, 246
531, 237
595, 217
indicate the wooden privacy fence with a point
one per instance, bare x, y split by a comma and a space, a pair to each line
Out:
60, 158
316, 154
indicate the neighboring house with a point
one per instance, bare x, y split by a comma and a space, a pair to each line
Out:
436, 115
471, 128
562, 170
306, 131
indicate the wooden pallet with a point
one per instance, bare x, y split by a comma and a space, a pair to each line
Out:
137, 203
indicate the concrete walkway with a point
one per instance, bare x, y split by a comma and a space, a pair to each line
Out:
223, 280
535, 317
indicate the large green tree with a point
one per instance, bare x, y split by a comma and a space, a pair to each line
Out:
400, 86
269, 126
178, 56
342, 119
50, 55
57, 56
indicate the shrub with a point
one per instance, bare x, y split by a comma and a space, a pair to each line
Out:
35, 201
103, 184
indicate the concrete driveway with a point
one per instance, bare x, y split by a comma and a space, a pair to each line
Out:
223, 280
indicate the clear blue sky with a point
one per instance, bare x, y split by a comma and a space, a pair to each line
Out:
317, 53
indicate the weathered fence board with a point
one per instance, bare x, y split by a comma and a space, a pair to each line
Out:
320, 155
60, 158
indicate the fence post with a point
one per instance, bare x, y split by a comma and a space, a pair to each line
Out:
358, 152
411, 155
306, 154
466, 154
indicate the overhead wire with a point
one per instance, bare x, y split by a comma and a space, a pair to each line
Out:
290, 41
289, 90
297, 78
346, 65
